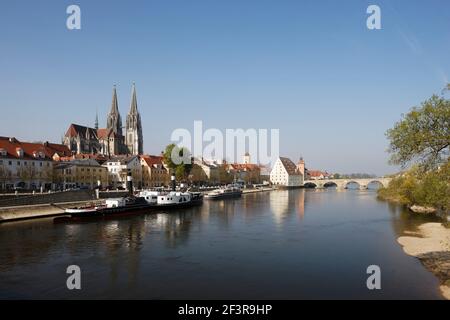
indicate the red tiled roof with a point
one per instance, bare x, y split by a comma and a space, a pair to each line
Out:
82, 156
105, 133
32, 150
152, 160
245, 166
318, 173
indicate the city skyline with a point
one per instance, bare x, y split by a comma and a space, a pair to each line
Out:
316, 72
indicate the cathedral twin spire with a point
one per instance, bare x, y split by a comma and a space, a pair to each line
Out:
114, 121
133, 139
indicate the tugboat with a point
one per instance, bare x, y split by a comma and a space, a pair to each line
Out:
230, 191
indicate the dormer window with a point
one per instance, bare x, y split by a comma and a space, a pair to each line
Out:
38, 154
3, 152
19, 152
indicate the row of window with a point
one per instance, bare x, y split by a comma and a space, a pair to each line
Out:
25, 163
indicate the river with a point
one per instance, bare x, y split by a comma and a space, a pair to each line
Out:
296, 244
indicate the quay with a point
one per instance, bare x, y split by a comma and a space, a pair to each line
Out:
12, 213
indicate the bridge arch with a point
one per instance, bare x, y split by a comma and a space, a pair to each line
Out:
310, 185
329, 184
347, 183
375, 182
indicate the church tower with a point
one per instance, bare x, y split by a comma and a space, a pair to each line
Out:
133, 138
114, 121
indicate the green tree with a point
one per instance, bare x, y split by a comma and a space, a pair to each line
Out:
423, 135
5, 175
183, 169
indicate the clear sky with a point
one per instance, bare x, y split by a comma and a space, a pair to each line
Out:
309, 68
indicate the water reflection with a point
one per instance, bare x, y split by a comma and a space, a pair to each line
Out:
265, 245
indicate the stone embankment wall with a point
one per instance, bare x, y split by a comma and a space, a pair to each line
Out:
47, 198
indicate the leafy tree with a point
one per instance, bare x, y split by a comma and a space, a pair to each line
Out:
431, 188
224, 176
5, 175
181, 170
423, 135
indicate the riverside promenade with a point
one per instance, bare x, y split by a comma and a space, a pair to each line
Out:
21, 207
24, 207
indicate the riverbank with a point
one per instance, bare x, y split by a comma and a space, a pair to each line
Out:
431, 245
9, 214
45, 210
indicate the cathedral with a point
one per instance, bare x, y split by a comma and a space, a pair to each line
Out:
112, 140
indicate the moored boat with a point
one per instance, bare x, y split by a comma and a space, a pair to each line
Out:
230, 191
175, 199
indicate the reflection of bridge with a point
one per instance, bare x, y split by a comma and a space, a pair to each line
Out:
343, 183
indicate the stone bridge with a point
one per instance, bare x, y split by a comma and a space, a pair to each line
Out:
343, 183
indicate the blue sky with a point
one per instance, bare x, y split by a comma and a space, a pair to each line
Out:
309, 68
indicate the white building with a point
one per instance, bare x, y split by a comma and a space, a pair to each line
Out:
118, 169
285, 173
25, 165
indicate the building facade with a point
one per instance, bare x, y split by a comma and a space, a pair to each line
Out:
154, 173
86, 173
286, 173
118, 168
25, 165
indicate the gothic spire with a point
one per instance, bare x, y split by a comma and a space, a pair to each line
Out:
114, 120
133, 105
96, 120
133, 137
114, 104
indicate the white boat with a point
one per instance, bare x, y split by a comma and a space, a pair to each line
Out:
230, 191
171, 199
85, 209
151, 196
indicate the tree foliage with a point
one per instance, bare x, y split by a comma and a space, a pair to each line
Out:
181, 170
431, 188
423, 135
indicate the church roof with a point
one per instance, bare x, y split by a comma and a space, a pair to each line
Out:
76, 129
106, 133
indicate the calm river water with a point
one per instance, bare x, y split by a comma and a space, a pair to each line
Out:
274, 245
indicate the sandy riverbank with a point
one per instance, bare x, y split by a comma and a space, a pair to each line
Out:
431, 245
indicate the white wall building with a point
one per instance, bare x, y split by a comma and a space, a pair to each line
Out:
25, 165
118, 169
285, 173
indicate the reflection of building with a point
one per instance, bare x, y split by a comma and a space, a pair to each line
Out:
286, 173
300, 204
279, 204
28, 165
